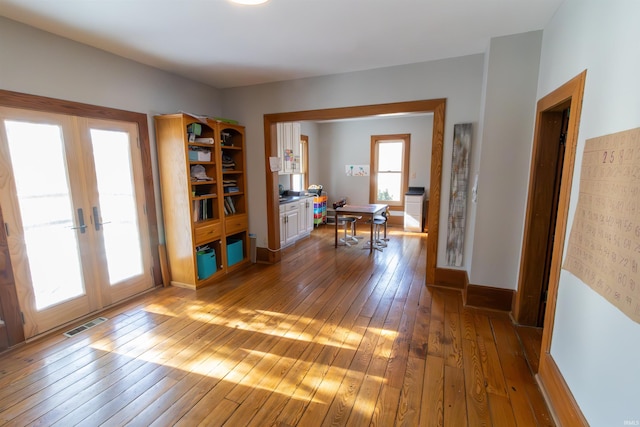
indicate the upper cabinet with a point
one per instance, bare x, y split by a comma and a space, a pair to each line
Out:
289, 147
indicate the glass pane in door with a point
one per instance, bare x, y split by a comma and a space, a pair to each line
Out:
46, 208
118, 210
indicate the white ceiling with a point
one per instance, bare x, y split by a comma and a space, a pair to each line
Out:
227, 45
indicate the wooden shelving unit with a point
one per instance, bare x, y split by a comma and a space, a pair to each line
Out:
203, 198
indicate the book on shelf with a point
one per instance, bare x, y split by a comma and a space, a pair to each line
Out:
202, 210
196, 210
229, 206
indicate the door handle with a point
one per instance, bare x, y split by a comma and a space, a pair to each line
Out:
81, 223
96, 217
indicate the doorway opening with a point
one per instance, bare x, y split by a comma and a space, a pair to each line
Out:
552, 164
435, 106
542, 209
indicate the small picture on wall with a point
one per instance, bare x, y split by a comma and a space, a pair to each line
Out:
357, 170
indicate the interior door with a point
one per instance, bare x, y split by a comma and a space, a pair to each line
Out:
59, 179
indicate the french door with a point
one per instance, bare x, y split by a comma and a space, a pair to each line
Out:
71, 191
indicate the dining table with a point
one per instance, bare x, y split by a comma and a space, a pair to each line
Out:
370, 210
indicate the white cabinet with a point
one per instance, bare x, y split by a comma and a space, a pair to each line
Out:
288, 147
296, 220
289, 215
305, 220
413, 212
283, 227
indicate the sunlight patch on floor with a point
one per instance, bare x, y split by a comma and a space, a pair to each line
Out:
284, 325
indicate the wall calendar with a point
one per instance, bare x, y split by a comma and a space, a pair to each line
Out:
604, 243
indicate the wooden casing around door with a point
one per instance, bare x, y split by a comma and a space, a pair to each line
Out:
11, 332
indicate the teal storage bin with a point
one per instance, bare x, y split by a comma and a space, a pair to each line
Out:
206, 261
234, 251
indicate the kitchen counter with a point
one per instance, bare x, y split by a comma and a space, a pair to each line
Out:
291, 199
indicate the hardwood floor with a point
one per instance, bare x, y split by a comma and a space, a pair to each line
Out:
326, 337
531, 341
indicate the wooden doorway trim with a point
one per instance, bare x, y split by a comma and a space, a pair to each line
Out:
60, 106
568, 95
435, 106
558, 394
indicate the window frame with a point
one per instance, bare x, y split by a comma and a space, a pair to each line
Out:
405, 138
304, 164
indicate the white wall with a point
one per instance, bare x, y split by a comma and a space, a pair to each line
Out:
509, 102
457, 79
349, 142
595, 346
39, 63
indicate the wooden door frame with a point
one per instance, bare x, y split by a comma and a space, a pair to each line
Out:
61, 106
526, 306
58, 106
554, 387
435, 106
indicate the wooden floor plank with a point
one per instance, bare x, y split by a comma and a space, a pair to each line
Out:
328, 336
516, 371
408, 412
435, 346
452, 339
455, 408
478, 411
420, 337
491, 365
531, 341
318, 407
432, 404
501, 411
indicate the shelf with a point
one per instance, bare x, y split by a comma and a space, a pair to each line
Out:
208, 201
201, 144
204, 197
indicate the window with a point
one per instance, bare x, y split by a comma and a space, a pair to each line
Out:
300, 181
390, 167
